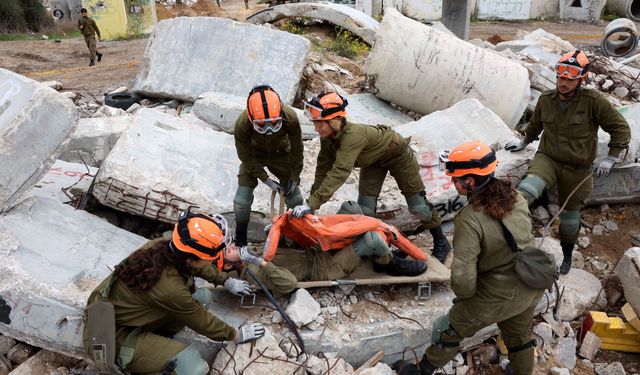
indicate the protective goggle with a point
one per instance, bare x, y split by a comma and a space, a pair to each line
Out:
446, 165
569, 71
314, 110
267, 126
185, 236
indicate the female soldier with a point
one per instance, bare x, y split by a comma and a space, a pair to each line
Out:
482, 274
152, 294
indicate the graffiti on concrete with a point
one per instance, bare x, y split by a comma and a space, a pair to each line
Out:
504, 9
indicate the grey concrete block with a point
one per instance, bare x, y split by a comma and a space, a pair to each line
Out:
94, 138
590, 346
565, 352
627, 272
63, 178
27, 109
188, 56
303, 308
581, 293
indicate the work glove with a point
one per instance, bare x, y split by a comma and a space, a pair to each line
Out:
238, 287
604, 168
273, 185
250, 332
291, 186
300, 211
247, 257
267, 229
514, 146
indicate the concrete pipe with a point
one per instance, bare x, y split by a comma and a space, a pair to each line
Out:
620, 37
625, 8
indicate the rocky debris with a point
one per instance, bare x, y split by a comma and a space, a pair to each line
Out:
614, 368
584, 242
559, 371
543, 334
45, 308
20, 353
540, 214
219, 65
302, 309
56, 85
26, 151
402, 79
378, 369
108, 111
64, 182
597, 230
609, 225
94, 138
565, 352
581, 291
589, 346
628, 271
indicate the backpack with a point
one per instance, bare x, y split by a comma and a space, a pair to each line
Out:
535, 268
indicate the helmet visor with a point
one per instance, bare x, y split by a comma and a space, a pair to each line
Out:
312, 112
569, 71
224, 226
267, 126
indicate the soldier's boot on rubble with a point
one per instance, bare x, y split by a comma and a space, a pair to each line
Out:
441, 246
407, 368
241, 234
398, 266
567, 251
92, 63
99, 56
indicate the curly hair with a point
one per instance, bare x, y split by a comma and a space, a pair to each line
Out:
142, 269
498, 197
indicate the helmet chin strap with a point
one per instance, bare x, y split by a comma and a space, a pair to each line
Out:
471, 190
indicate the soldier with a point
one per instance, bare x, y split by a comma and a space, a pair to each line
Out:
570, 116
377, 150
89, 29
153, 296
267, 134
483, 279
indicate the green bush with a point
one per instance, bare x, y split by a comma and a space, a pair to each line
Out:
347, 45
11, 16
294, 25
35, 15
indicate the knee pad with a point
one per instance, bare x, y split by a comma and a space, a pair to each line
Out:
419, 207
531, 187
368, 205
371, 244
350, 208
242, 204
189, 362
569, 225
294, 199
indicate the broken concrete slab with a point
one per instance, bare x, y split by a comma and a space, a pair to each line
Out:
26, 151
341, 15
412, 65
628, 271
582, 292
303, 308
622, 185
585, 10
94, 138
204, 56
64, 181
221, 111
45, 308
541, 77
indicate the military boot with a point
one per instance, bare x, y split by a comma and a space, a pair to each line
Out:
441, 246
241, 234
567, 251
92, 63
99, 56
407, 368
401, 267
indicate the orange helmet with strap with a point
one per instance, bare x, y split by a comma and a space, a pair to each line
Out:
573, 65
469, 158
201, 235
264, 109
325, 106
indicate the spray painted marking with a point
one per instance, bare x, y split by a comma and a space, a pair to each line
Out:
505, 9
59, 171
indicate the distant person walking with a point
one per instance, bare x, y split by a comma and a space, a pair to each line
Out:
89, 29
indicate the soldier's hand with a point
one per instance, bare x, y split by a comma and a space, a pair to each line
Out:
238, 287
605, 166
248, 257
300, 211
250, 332
291, 186
514, 146
273, 185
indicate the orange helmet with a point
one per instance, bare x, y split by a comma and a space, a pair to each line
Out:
264, 109
573, 65
469, 158
202, 236
325, 106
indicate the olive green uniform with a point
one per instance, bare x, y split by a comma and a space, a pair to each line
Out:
167, 308
376, 150
568, 147
487, 288
314, 264
281, 153
89, 30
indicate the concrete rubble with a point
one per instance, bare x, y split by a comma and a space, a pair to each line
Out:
413, 66
219, 65
627, 272
64, 182
302, 309
27, 107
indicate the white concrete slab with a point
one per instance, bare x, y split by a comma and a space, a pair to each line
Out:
94, 138
61, 177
